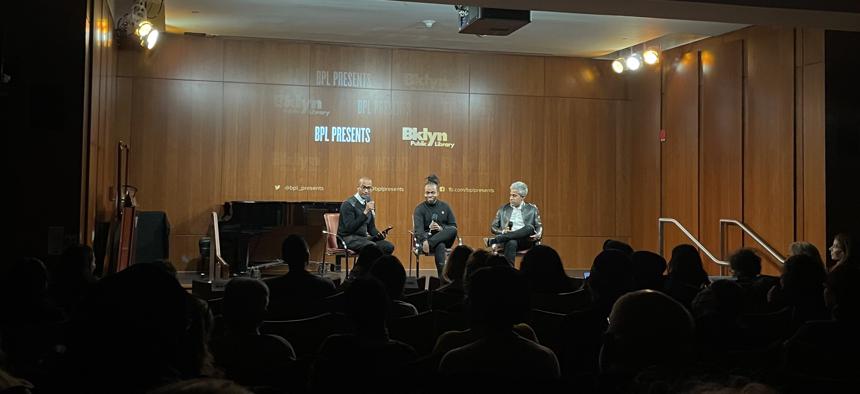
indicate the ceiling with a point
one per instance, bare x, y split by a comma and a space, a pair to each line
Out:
396, 23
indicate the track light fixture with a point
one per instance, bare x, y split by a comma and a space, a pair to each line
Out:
634, 60
651, 56
139, 20
618, 65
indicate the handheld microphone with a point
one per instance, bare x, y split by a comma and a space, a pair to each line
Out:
510, 226
367, 200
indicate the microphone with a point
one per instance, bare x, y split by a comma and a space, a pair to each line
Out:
367, 200
510, 226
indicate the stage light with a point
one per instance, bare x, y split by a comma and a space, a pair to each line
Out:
151, 39
651, 56
147, 33
633, 62
618, 65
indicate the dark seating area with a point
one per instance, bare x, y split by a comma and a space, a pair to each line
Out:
607, 337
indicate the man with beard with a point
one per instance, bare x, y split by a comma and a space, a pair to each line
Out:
434, 224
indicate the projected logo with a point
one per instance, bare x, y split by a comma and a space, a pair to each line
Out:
426, 138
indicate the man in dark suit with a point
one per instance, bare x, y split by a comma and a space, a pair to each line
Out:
357, 225
296, 293
517, 225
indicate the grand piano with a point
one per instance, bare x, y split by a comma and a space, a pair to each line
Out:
252, 231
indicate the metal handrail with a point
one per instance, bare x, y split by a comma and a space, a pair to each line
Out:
724, 223
698, 244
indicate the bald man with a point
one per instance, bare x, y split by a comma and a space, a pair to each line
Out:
357, 224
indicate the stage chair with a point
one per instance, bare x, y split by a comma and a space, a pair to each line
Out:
334, 244
418, 251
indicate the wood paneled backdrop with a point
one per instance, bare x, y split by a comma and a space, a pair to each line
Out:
217, 119
743, 116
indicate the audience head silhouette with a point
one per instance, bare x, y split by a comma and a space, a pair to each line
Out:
295, 252
455, 267
647, 328
648, 269
367, 305
543, 270
390, 272
745, 263
612, 244
496, 298
808, 249
685, 266
611, 276
245, 304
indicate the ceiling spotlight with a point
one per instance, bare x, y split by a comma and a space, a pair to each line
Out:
651, 56
151, 39
618, 65
633, 62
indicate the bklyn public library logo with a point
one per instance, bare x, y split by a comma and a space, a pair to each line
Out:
426, 138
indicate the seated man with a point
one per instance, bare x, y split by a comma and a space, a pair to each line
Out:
517, 225
434, 224
357, 225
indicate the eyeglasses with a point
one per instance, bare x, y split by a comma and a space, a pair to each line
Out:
366, 187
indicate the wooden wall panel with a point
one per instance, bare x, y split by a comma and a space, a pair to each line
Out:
176, 57
430, 71
506, 74
580, 145
266, 136
644, 93
623, 170
350, 67
336, 166
266, 61
813, 155
438, 112
583, 78
491, 154
721, 140
769, 137
176, 131
261, 133
680, 152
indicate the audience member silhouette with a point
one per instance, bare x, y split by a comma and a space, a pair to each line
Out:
71, 277
390, 272
367, 361
298, 292
366, 257
822, 355
612, 244
717, 311
455, 268
451, 340
246, 356
544, 272
648, 269
801, 289
131, 334
802, 247
611, 277
647, 330
686, 274
30, 325
496, 300
746, 266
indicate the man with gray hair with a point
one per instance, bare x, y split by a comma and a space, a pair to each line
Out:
517, 225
